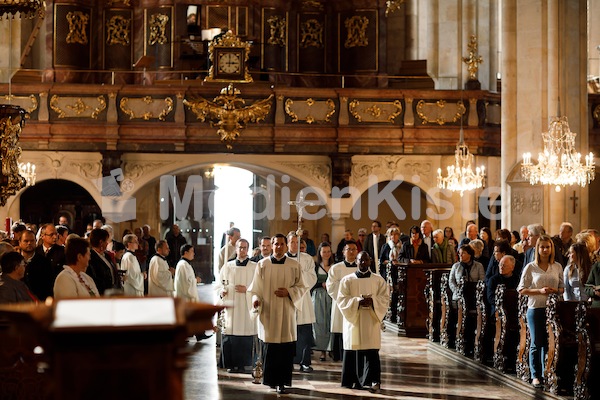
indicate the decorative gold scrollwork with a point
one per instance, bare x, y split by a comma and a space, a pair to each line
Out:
474, 59
438, 113
372, 111
11, 122
125, 2
356, 29
158, 29
229, 113
146, 108
310, 109
77, 27
311, 32
277, 29
29, 103
78, 109
306, 4
117, 30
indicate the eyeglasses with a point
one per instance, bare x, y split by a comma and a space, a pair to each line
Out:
361, 234
51, 234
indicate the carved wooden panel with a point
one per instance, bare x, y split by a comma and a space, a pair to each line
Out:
72, 36
358, 41
158, 35
312, 42
117, 39
274, 40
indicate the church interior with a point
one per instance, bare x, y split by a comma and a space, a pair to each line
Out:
134, 112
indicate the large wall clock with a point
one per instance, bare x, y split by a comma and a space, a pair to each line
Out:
229, 57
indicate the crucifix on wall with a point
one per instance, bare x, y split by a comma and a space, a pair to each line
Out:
574, 198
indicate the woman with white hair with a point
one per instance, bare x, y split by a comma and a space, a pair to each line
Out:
478, 247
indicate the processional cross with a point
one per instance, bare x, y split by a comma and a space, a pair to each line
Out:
300, 204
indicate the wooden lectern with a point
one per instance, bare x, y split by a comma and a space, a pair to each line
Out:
108, 348
144, 62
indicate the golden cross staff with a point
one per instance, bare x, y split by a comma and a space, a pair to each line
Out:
300, 204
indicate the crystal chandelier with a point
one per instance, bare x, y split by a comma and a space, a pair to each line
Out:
27, 171
25, 8
461, 177
559, 164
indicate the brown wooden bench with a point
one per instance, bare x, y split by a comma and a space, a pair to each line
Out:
506, 336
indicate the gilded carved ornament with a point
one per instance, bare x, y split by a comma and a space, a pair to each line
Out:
117, 30
11, 121
311, 34
305, 108
356, 31
77, 27
474, 59
375, 111
438, 113
158, 29
124, 2
306, 4
79, 108
391, 167
29, 103
320, 172
146, 108
229, 113
392, 5
277, 30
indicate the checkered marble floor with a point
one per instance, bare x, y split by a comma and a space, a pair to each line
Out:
411, 369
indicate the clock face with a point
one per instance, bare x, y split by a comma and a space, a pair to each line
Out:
229, 63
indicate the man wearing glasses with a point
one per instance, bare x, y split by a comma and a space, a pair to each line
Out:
54, 253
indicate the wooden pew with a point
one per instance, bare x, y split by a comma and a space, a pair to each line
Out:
522, 367
481, 328
434, 302
562, 344
446, 334
587, 368
408, 282
506, 337
466, 320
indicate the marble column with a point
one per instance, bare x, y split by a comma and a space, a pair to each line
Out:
543, 55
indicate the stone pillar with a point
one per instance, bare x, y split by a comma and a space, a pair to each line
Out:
551, 37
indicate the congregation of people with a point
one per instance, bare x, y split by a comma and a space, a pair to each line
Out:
290, 300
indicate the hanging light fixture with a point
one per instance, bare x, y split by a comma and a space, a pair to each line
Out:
559, 164
27, 171
25, 8
461, 177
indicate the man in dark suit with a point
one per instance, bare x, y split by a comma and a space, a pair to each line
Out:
373, 244
50, 250
101, 269
39, 276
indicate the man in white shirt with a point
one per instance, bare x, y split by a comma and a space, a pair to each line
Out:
227, 252
277, 290
363, 300
373, 244
134, 280
160, 277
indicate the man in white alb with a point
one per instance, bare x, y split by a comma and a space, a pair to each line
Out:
240, 329
335, 275
134, 280
306, 315
160, 277
277, 290
363, 299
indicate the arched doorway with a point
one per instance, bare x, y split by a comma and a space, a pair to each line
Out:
50, 198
